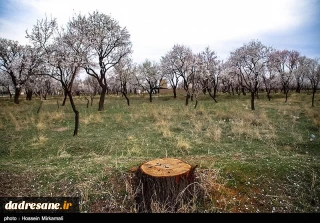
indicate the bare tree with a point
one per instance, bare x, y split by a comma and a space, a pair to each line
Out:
277, 60
124, 73
44, 85
211, 70
18, 62
313, 74
63, 54
269, 77
108, 43
29, 87
285, 62
229, 81
249, 63
91, 87
148, 77
5, 84
170, 73
292, 65
198, 77
300, 73
182, 63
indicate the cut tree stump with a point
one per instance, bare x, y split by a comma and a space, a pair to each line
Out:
164, 185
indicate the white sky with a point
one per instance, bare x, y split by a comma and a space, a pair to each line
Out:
156, 25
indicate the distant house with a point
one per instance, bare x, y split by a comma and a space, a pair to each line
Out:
163, 84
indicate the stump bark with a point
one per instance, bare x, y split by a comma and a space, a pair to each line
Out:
164, 185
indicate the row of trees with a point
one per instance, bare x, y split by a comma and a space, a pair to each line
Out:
94, 43
97, 45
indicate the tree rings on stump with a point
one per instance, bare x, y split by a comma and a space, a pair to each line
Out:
163, 185
167, 167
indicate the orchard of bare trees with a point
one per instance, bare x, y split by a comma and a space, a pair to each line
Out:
96, 45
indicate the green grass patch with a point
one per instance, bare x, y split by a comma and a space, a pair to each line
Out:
266, 160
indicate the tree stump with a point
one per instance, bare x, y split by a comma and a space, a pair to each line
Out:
163, 185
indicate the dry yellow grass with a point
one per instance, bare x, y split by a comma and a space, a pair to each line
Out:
314, 114
39, 140
162, 113
14, 121
93, 118
164, 127
214, 132
41, 125
133, 148
118, 118
56, 116
97, 167
183, 145
253, 125
46, 119
162, 119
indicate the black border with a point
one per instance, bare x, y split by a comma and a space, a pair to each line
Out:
167, 217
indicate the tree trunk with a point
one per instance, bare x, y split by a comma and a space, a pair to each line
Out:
40, 107
7, 87
29, 95
243, 91
268, 93
163, 185
313, 93
87, 101
213, 96
238, 91
65, 98
125, 95
102, 97
187, 98
17, 95
298, 88
174, 92
76, 112
215, 89
91, 97
286, 91
196, 104
252, 100
204, 90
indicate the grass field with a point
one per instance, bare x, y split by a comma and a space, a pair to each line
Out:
266, 160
